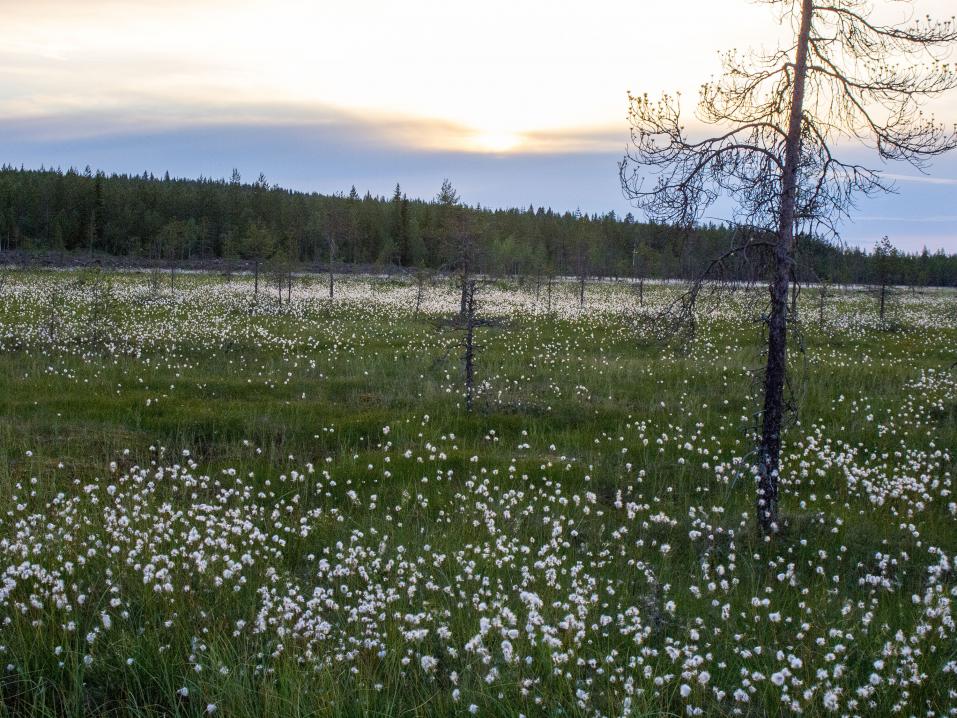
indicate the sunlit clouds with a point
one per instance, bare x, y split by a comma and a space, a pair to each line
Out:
496, 77
490, 77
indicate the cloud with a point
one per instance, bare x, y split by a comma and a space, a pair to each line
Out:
919, 220
141, 115
327, 156
921, 179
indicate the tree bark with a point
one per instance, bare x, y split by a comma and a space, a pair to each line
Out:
332, 259
794, 298
469, 344
420, 281
465, 283
769, 448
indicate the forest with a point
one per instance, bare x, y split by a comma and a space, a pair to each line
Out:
153, 218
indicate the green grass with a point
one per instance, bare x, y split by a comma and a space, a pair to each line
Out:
548, 487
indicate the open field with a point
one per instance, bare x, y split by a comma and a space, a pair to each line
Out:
216, 504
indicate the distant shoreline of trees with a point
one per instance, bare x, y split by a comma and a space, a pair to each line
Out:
168, 219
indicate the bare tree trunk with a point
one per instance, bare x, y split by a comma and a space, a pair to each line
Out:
581, 291
641, 292
464, 279
794, 298
822, 293
550, 293
155, 271
332, 259
256, 275
883, 299
469, 344
420, 288
289, 287
769, 448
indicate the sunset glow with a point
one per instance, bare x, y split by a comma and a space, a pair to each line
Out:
494, 71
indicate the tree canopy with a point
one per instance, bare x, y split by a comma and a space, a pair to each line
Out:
193, 219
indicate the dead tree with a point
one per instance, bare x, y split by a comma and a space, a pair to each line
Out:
285, 254
470, 322
469, 357
885, 259
332, 264
102, 303
640, 286
421, 275
259, 245
467, 323
778, 118
581, 263
155, 267
460, 240
465, 262
822, 295
171, 240
795, 292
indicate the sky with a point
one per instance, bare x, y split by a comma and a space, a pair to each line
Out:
518, 102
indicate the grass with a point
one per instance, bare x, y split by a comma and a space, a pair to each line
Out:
309, 470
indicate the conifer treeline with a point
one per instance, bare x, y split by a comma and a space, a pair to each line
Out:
181, 219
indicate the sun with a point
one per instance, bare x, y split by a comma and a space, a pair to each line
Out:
495, 141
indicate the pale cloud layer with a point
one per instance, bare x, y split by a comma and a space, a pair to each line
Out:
507, 74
